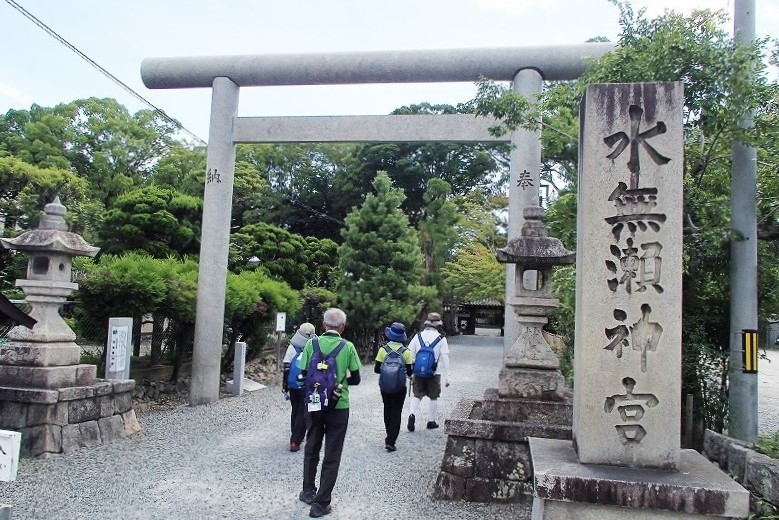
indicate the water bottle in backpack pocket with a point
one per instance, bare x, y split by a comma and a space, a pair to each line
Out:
392, 374
425, 362
322, 377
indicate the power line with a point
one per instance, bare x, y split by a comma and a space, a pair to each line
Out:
103, 71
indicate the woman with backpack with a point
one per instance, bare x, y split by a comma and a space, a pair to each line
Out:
292, 386
393, 364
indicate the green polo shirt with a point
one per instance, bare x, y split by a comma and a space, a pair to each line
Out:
346, 359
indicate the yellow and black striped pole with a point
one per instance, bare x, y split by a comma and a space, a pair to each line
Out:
749, 351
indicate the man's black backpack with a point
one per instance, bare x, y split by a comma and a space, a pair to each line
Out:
392, 374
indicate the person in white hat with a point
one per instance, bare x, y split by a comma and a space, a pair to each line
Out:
293, 387
429, 386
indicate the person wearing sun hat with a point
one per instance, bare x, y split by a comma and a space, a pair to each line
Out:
296, 392
430, 387
393, 401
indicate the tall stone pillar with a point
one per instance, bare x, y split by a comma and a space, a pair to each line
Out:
524, 172
214, 244
625, 459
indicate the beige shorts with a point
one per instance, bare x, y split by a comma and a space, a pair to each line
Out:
430, 387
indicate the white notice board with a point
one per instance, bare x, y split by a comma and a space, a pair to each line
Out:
281, 321
117, 355
10, 444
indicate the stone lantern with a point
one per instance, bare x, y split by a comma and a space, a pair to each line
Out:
51, 249
56, 402
530, 366
487, 457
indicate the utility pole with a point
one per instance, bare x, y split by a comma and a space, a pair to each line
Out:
742, 393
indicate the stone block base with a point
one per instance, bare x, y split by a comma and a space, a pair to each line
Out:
564, 488
40, 354
52, 377
487, 457
529, 383
59, 421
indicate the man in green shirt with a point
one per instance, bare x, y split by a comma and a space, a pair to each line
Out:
328, 422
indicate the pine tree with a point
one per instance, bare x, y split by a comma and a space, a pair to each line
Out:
380, 264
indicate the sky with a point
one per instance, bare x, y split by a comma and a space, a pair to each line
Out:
36, 68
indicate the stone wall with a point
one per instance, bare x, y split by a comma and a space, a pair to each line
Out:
758, 473
59, 421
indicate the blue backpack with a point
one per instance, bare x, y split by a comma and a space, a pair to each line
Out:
294, 371
321, 377
425, 362
392, 374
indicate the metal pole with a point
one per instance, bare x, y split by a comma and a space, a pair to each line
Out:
742, 396
214, 244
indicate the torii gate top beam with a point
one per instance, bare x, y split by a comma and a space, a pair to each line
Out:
554, 63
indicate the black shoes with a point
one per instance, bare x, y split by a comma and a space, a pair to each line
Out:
318, 510
307, 496
390, 447
432, 425
411, 421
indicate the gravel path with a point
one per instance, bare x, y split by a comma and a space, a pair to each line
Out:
230, 459
768, 393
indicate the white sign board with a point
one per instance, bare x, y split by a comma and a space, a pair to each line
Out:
10, 444
119, 348
281, 321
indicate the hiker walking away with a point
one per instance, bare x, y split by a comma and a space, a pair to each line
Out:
393, 364
329, 365
293, 386
430, 352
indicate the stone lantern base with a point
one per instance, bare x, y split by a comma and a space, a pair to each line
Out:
61, 420
487, 457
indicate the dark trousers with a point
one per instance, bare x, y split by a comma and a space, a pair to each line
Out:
297, 422
393, 412
329, 426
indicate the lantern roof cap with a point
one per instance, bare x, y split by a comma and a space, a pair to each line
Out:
534, 249
52, 235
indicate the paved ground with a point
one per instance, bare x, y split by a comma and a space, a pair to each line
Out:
230, 460
768, 393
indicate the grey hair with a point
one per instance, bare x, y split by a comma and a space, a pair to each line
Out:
334, 318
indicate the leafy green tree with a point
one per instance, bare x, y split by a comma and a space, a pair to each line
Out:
282, 254
475, 275
316, 300
155, 220
97, 139
322, 262
437, 233
183, 168
380, 264
130, 285
306, 184
251, 302
412, 165
473, 272
27, 188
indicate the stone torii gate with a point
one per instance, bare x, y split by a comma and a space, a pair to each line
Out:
526, 67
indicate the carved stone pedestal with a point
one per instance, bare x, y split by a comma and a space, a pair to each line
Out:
487, 457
